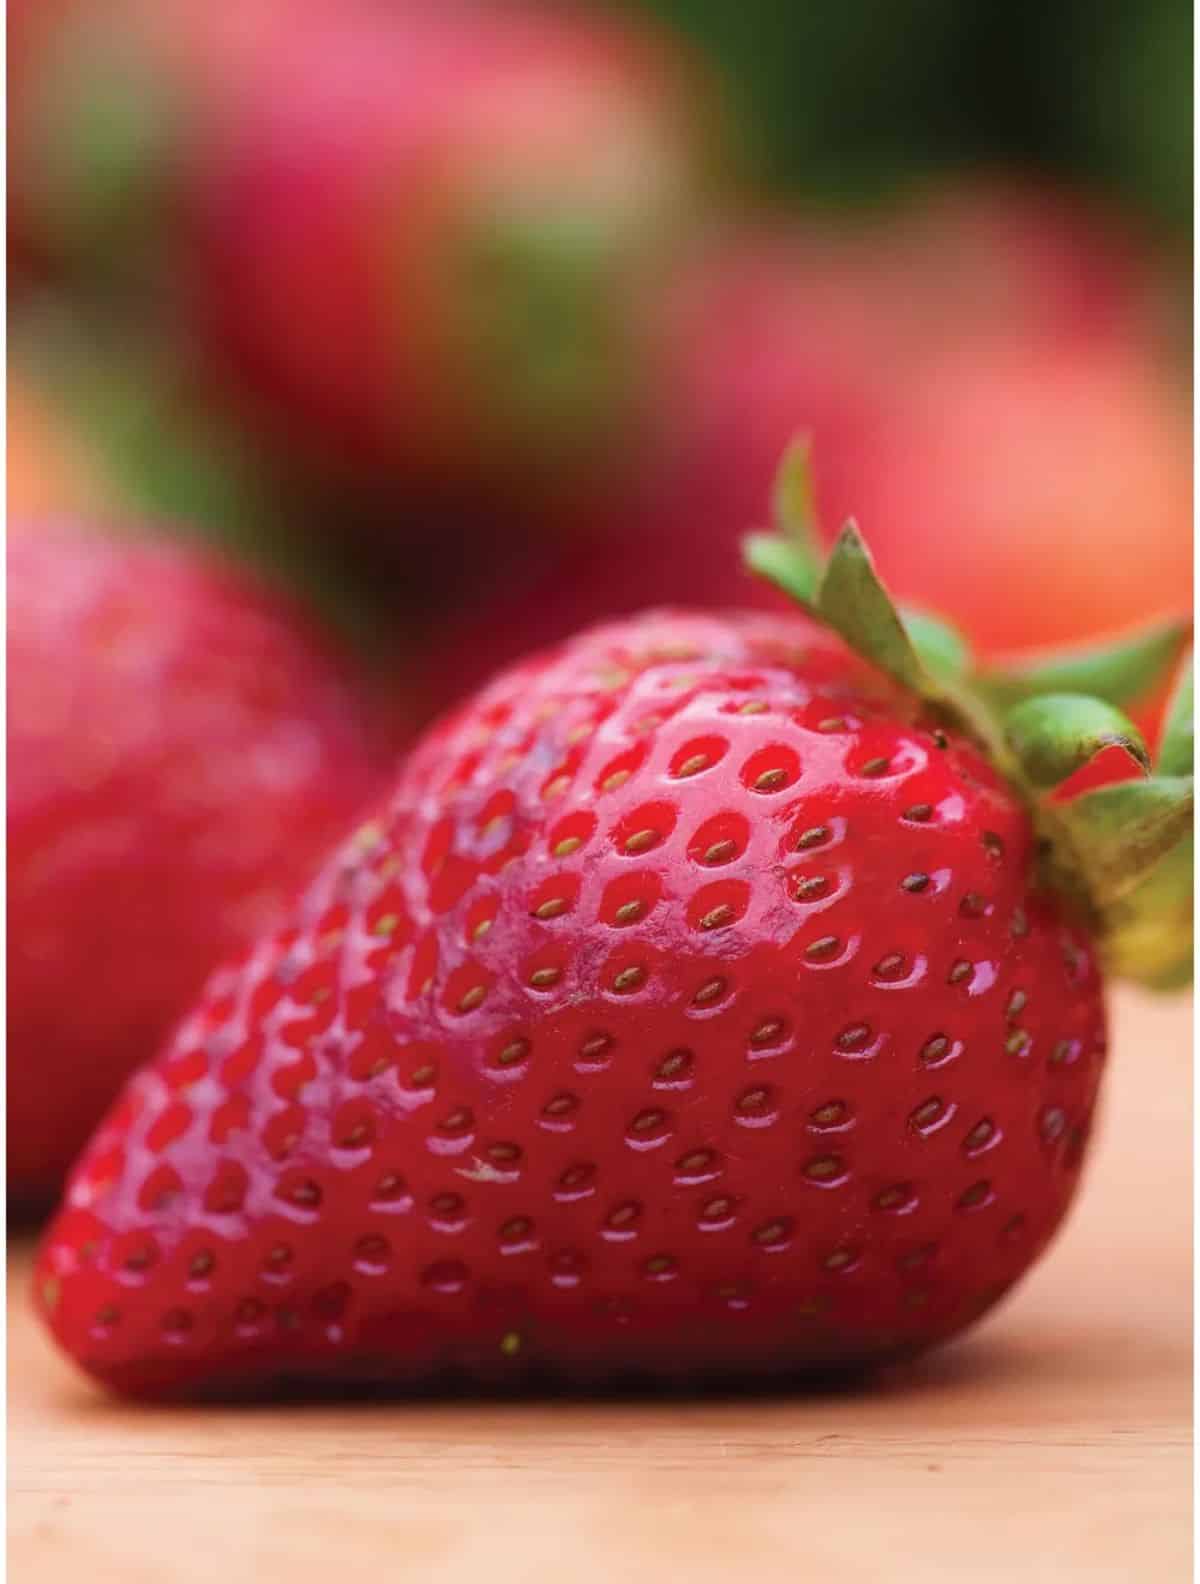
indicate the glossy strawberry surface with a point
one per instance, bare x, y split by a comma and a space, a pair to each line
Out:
182, 746
688, 1007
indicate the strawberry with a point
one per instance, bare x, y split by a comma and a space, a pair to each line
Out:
182, 745
427, 249
1073, 467
991, 258
711, 994
113, 104
759, 332
927, 411
1029, 408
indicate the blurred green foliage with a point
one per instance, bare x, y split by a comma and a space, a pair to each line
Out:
1126, 71
844, 98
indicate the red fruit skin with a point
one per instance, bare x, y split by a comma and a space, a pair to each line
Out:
818, 1103
338, 281
182, 746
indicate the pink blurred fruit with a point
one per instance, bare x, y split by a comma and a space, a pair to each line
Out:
1009, 258
429, 250
114, 105
1025, 415
1064, 476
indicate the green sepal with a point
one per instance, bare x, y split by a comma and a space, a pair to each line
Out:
791, 558
914, 648
1053, 736
1148, 934
1118, 833
1119, 671
1176, 755
1120, 854
919, 651
779, 562
943, 650
793, 505
853, 601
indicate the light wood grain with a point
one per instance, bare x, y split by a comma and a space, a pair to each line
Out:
1054, 1444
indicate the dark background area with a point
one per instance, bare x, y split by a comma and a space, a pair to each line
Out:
845, 99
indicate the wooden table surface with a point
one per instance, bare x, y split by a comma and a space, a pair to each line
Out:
1052, 1444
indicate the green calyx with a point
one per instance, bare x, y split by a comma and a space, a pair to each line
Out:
1119, 850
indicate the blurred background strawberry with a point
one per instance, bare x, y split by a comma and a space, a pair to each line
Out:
468, 322
183, 745
49, 465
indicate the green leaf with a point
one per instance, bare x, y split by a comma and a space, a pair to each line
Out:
1118, 833
1058, 733
943, 650
778, 560
793, 504
1119, 671
1119, 853
1175, 752
855, 604
1148, 934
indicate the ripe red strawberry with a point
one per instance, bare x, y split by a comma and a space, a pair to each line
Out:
182, 746
428, 248
700, 1000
